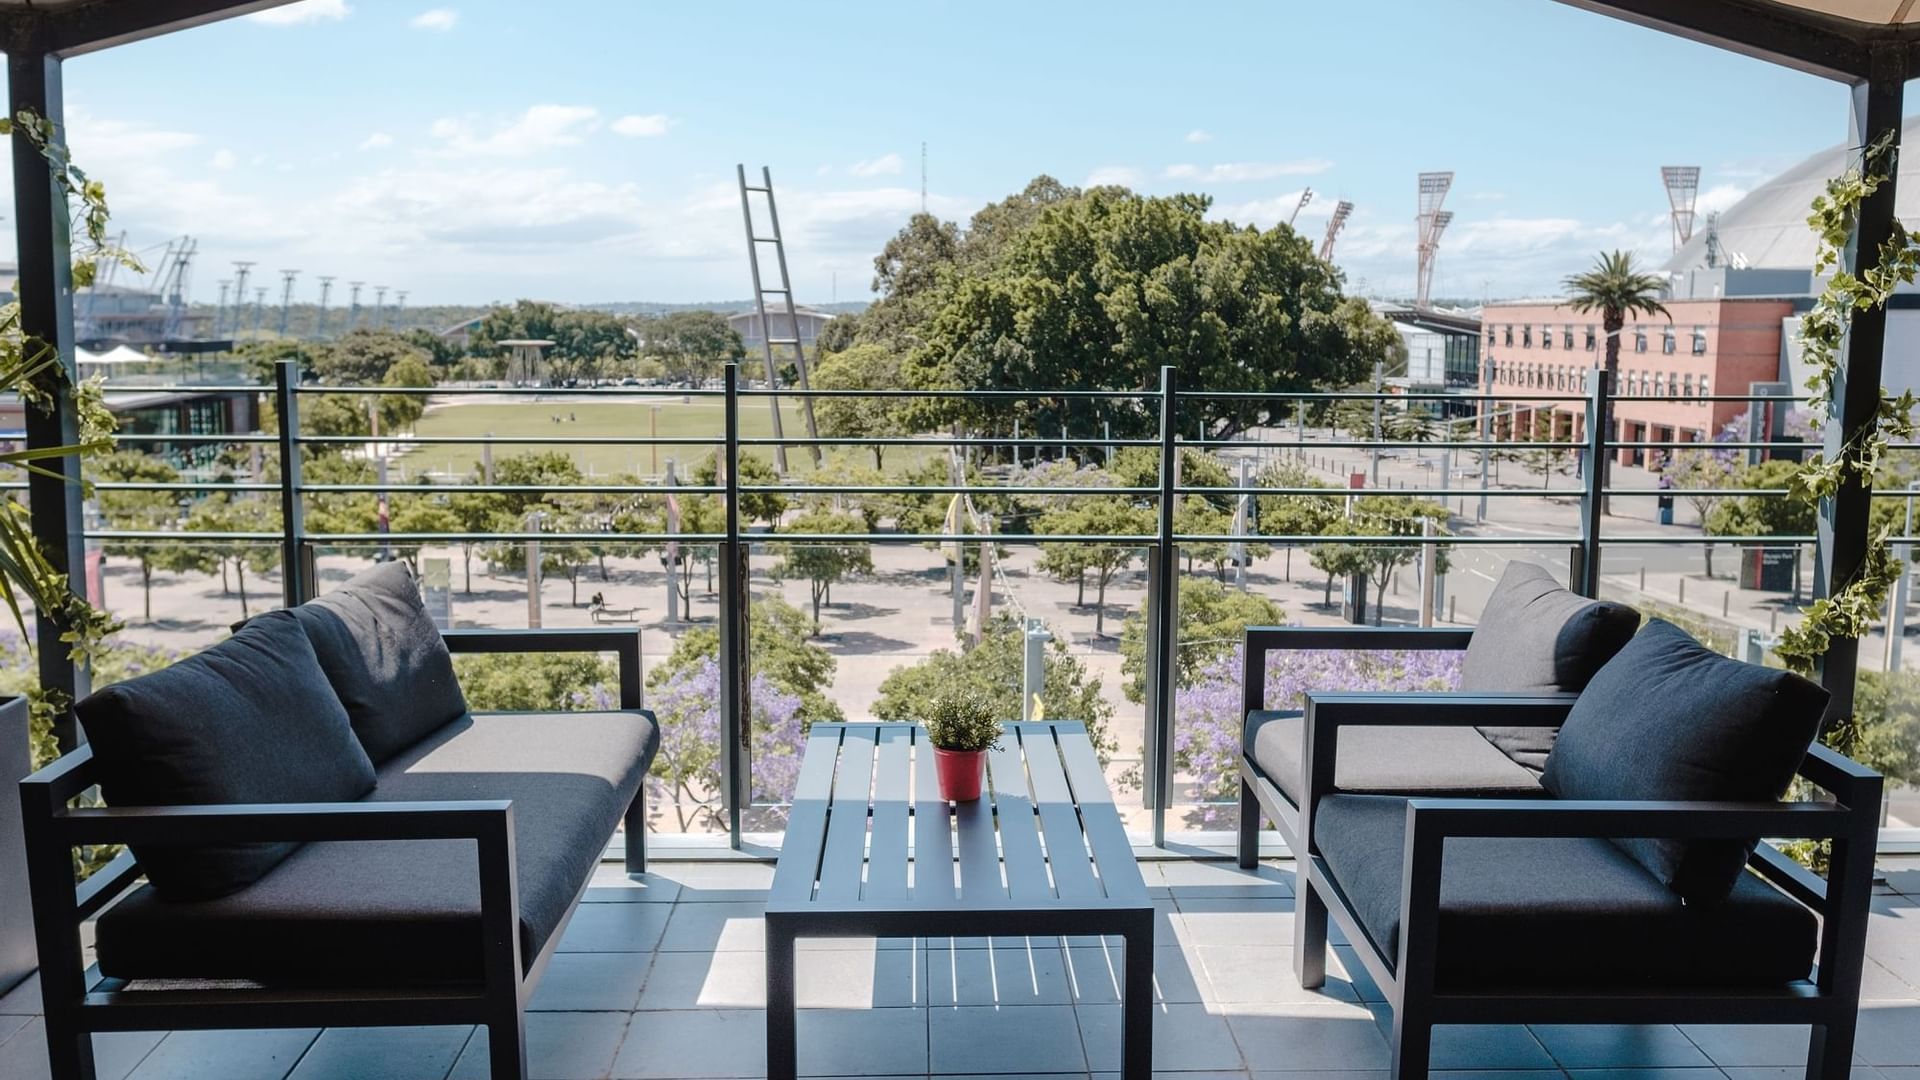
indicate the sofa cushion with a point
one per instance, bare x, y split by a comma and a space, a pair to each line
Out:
1553, 912
1669, 718
1423, 760
410, 910
250, 720
385, 659
1536, 636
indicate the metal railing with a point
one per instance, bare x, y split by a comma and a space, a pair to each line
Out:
1585, 545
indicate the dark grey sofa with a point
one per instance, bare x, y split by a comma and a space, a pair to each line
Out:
437, 897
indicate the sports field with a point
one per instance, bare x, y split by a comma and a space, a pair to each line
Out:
575, 418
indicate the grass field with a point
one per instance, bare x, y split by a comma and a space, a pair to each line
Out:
630, 417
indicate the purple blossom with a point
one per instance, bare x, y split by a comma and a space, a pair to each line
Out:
686, 772
1207, 720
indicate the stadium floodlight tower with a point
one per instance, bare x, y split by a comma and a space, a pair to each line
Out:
1432, 222
353, 303
320, 317
286, 299
1683, 189
1306, 196
1342, 210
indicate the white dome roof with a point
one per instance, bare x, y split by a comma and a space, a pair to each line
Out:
1768, 228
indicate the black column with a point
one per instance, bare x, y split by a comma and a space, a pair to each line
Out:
1856, 386
46, 314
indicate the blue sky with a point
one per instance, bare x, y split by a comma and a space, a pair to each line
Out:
583, 150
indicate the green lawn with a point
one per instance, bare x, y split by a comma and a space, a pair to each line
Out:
700, 417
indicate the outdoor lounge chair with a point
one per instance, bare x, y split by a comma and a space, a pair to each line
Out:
1633, 890
328, 835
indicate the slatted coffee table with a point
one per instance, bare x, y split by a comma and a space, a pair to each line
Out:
872, 850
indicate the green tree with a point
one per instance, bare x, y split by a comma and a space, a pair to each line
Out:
761, 506
1694, 473
692, 344
822, 564
227, 513
1615, 289
365, 357
138, 511
992, 669
531, 682
1093, 516
861, 367
1213, 619
781, 647
1763, 515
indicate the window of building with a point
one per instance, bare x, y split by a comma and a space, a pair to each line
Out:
1566, 336
1703, 388
1699, 341
1526, 337
1509, 333
1546, 337
1666, 341
1686, 383
1489, 333
1639, 339
1592, 338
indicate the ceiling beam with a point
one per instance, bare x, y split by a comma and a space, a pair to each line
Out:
101, 24
1818, 44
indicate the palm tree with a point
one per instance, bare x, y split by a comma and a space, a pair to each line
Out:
1615, 289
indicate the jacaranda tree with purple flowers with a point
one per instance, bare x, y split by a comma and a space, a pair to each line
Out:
686, 772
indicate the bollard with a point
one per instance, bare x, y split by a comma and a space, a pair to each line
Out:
1451, 602
1643, 579
1726, 600
1683, 590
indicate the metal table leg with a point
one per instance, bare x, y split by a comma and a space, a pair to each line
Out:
1136, 1009
782, 1059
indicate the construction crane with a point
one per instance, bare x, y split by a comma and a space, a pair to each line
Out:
1341, 211
176, 277
1683, 191
1306, 197
1432, 222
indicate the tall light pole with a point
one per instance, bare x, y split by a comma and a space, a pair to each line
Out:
353, 309
241, 268
320, 319
286, 298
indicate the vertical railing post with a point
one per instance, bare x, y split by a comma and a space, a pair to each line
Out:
44, 248
1593, 498
735, 765
294, 587
1163, 600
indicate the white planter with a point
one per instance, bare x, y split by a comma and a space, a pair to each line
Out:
17, 954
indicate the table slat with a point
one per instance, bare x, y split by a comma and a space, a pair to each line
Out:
807, 821
1066, 846
887, 860
842, 862
1112, 851
979, 855
932, 831
1019, 833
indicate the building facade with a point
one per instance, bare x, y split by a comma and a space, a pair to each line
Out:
1714, 345
753, 336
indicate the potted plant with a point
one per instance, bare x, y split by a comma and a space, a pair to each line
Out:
962, 728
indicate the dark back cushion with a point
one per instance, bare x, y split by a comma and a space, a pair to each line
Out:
1669, 718
1539, 637
250, 720
385, 659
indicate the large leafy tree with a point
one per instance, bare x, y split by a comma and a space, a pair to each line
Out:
822, 564
692, 344
1105, 288
1072, 561
781, 648
139, 511
1615, 288
1213, 619
861, 367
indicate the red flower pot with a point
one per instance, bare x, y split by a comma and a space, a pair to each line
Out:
960, 773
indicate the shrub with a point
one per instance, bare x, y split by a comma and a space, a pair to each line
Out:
962, 721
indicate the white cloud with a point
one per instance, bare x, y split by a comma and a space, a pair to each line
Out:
1122, 175
439, 19
1719, 197
542, 127
379, 140
641, 126
1267, 213
1199, 135
222, 159
306, 11
884, 165
1238, 172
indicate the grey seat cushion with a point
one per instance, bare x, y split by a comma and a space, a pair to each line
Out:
1429, 761
250, 720
410, 910
1536, 636
1669, 718
385, 659
1564, 913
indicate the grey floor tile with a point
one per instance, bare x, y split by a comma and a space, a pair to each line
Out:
24, 999
1203, 880
861, 1042
1184, 1037
1256, 974
1329, 1074
615, 928
1619, 1046
560, 1046
1166, 929
1799, 1072
1878, 982
837, 979
1032, 972
225, 1055
1236, 923
1028, 1038
720, 980
11, 1025
1097, 972
1739, 1045
719, 882
591, 982
1651, 1074
24, 1056
395, 1053
1344, 964
1889, 1034
1487, 1047
707, 927
612, 885
1501, 1074
704, 1043
1308, 1037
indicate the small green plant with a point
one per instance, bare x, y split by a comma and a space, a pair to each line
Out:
962, 722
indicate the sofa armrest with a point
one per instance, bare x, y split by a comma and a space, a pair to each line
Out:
1259, 639
624, 643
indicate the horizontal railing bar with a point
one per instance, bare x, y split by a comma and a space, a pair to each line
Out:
1387, 444
1338, 492
513, 391
940, 440
1704, 444
529, 440
1003, 539
959, 395
183, 437
186, 388
518, 489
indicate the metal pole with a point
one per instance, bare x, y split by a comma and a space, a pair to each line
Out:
293, 512
1033, 667
1241, 523
956, 569
1379, 374
1587, 580
1429, 571
1897, 611
735, 765
1843, 525
766, 336
1163, 613
672, 549
532, 525
46, 314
